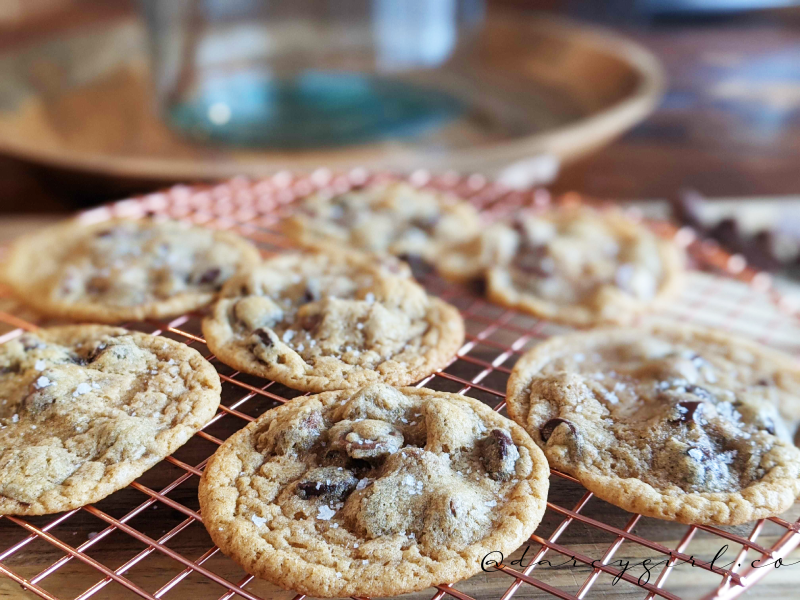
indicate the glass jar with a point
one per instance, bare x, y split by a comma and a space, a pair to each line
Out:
306, 73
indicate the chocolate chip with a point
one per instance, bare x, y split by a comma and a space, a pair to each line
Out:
763, 382
419, 268
547, 429
308, 296
210, 275
267, 338
98, 285
310, 322
327, 481
95, 352
499, 454
30, 343
529, 261
687, 411
427, 224
77, 360
104, 233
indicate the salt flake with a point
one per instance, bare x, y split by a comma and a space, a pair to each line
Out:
325, 513
82, 389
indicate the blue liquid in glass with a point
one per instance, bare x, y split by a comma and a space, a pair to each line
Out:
316, 108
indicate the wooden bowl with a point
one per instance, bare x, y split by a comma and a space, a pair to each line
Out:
536, 85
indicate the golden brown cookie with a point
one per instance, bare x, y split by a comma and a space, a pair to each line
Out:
375, 492
576, 265
332, 320
671, 422
123, 270
86, 409
394, 218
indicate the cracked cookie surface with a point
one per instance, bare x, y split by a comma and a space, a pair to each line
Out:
86, 409
573, 264
122, 270
670, 421
394, 218
375, 492
332, 320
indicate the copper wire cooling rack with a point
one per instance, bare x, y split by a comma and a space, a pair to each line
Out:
148, 541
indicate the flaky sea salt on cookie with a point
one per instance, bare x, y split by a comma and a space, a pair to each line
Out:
375, 492
86, 409
671, 422
332, 320
123, 270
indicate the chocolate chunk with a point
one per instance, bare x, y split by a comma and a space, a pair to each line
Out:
333, 482
529, 260
98, 285
96, 352
419, 268
210, 275
427, 224
265, 337
688, 411
499, 455
308, 296
547, 429
310, 322
77, 360
104, 233
30, 343
9, 369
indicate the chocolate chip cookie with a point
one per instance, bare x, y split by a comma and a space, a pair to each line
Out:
394, 218
86, 409
122, 270
332, 320
576, 265
671, 422
375, 492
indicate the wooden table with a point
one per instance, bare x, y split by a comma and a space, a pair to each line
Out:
729, 125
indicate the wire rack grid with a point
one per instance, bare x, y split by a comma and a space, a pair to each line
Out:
122, 548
